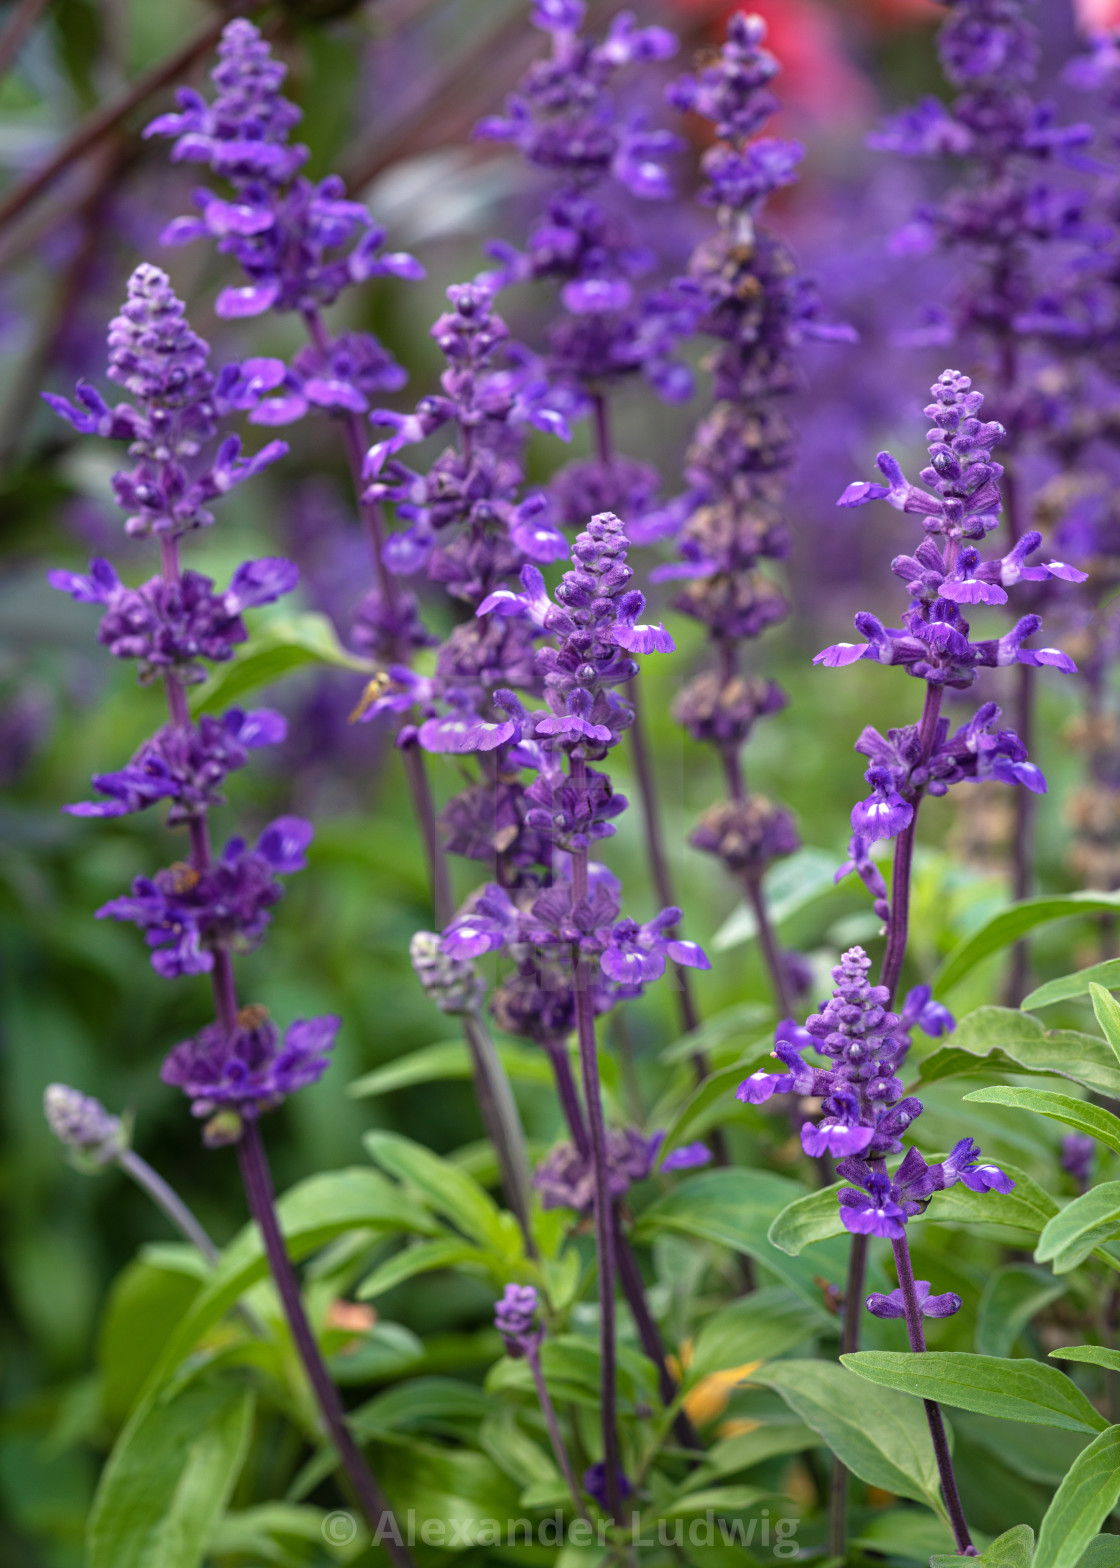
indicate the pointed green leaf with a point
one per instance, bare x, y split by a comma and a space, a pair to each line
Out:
790, 886
734, 1208
1107, 1010
1098, 1123
443, 1253
1081, 1504
1013, 1549
994, 1039
1103, 1551
448, 1060
1011, 1297
1066, 987
881, 1436
1021, 1390
1096, 1355
1009, 925
1080, 1228
762, 1325
446, 1188
169, 1478
283, 644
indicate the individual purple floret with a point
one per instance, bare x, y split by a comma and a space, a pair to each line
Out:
186, 764
515, 1318
300, 242
186, 913
171, 625
161, 362
892, 1306
251, 1069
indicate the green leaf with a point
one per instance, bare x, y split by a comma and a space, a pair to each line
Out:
144, 1306
1082, 1502
1069, 986
1107, 1010
816, 1216
261, 1532
1013, 1549
788, 887
1103, 1551
1080, 1228
995, 1039
434, 1404
708, 1103
1011, 1297
1096, 1355
1009, 925
1021, 1390
169, 1477
720, 1499
447, 1189
311, 1213
443, 1253
762, 1325
445, 1061
768, 1441
1099, 1124
734, 1208
722, 1037
880, 1436
906, 1533
285, 643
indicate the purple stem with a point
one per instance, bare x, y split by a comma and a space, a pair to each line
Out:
556, 1437
898, 926
849, 1341
1023, 831
262, 1205
258, 1182
936, 1421
752, 882
604, 1207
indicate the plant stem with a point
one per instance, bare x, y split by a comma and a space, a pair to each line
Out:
257, 1178
503, 1125
752, 881
164, 1196
604, 1219
936, 1421
898, 926
849, 1341
556, 1437
1023, 831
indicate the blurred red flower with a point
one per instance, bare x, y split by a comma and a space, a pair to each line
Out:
1096, 16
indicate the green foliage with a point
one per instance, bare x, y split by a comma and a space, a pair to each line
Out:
1010, 924
169, 1478
285, 643
1081, 1503
1020, 1390
1080, 1228
1090, 1119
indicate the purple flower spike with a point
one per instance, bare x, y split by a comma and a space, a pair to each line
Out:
892, 1306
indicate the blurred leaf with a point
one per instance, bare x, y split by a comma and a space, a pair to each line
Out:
1068, 986
1103, 1551
881, 1436
905, 1532
515, 1452
145, 1304
1082, 1502
449, 1191
1011, 1297
446, 1060
995, 1038
788, 887
437, 1404
1080, 1228
1091, 1119
720, 1499
1021, 1390
725, 1032
734, 1208
769, 1440
262, 1531
707, 1104
1009, 925
764, 1324
281, 645
1013, 1549
422, 1258
168, 1479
